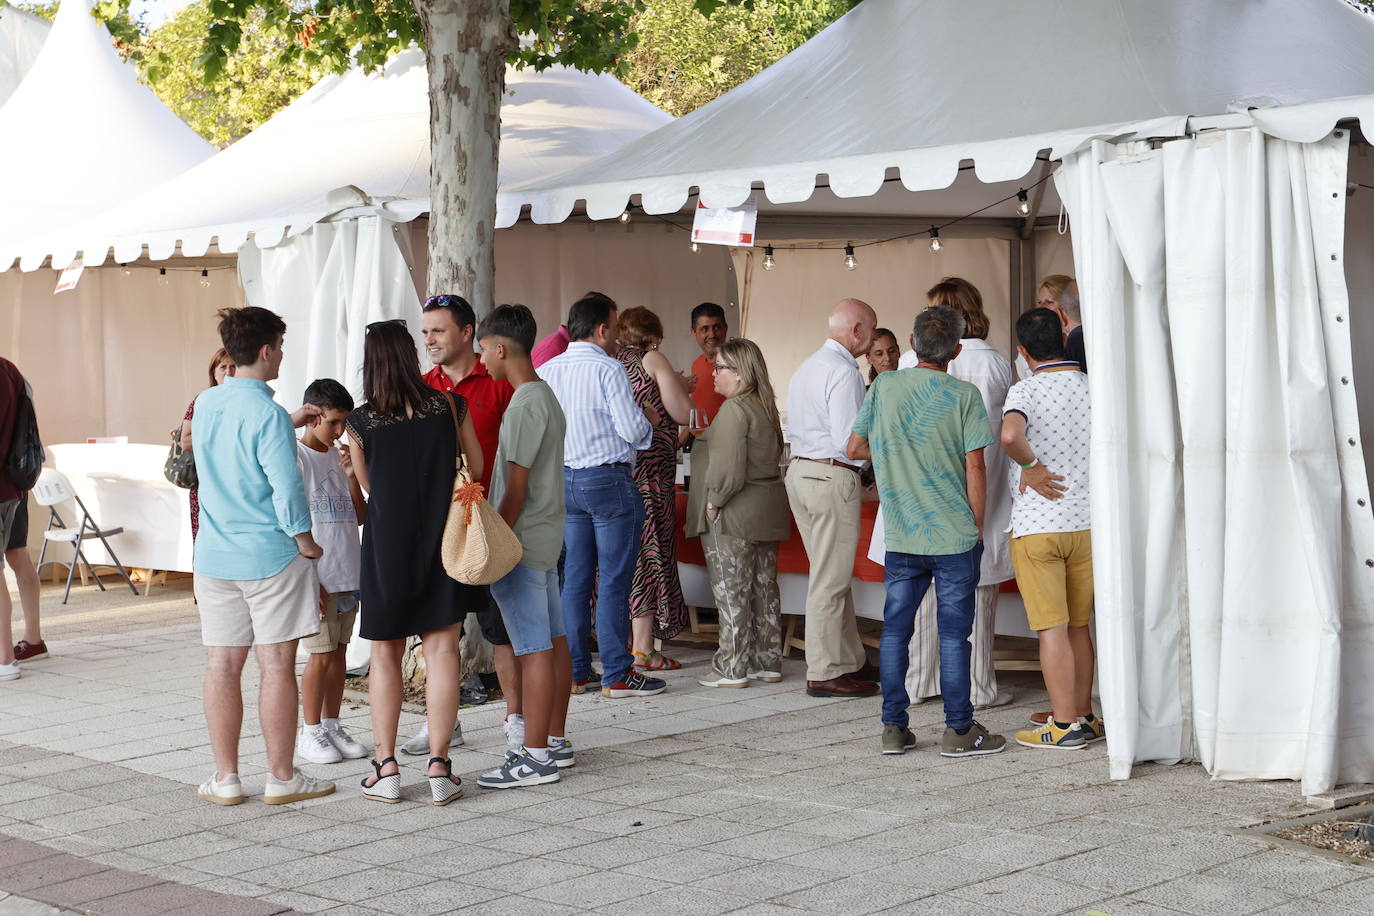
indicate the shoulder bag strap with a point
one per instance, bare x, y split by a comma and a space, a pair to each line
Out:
459, 463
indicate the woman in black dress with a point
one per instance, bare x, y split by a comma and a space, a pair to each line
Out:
403, 442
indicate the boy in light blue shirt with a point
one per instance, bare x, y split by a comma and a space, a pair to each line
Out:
256, 584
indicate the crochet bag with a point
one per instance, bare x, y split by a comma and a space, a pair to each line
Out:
478, 546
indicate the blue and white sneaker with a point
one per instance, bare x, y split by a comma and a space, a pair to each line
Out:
561, 750
519, 770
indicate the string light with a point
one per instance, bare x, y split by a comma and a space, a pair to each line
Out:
768, 262
625, 215
124, 269
204, 278
1024, 206
695, 248
935, 239
162, 276
850, 262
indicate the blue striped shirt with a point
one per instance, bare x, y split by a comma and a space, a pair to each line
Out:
252, 501
605, 426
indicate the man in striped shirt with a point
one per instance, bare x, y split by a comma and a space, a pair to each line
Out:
605, 511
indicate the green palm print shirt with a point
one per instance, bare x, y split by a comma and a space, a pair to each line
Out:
920, 424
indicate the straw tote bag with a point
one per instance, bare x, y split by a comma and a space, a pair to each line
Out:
478, 546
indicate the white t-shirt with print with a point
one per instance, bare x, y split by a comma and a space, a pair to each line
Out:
333, 520
1059, 430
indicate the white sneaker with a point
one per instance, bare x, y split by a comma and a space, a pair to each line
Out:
419, 745
768, 677
228, 791
346, 745
298, 788
9, 672
515, 733
720, 680
314, 745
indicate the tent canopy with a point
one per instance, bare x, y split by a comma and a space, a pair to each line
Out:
356, 140
21, 38
912, 88
81, 135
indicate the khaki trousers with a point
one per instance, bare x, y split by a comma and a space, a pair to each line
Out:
825, 503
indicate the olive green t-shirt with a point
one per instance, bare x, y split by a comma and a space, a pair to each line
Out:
920, 424
532, 436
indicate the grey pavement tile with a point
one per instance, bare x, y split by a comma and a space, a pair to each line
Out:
848, 858
688, 901
711, 801
40, 808
244, 859
1089, 832
526, 874
364, 884
852, 896
1028, 894
474, 830
1132, 906
21, 790
1355, 897
1204, 895
334, 838
265, 824
1190, 849
928, 836
943, 905
685, 866
137, 833
92, 887
465, 861
550, 838
21, 906
520, 906
300, 903
91, 817
562, 810
1014, 850
14, 852
767, 845
394, 848
765, 881
438, 897
1109, 870
1288, 871
850, 825
297, 872
597, 890
24, 876
699, 832
940, 872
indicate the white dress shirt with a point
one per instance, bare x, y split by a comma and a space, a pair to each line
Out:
604, 424
983, 366
823, 399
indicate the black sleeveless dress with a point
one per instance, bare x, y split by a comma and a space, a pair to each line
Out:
410, 465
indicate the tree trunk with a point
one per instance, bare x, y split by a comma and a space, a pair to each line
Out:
467, 43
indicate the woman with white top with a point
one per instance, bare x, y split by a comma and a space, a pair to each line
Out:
987, 369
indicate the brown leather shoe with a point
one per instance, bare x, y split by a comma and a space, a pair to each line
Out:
867, 673
843, 686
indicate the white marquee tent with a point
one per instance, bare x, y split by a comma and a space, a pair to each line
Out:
21, 38
1206, 152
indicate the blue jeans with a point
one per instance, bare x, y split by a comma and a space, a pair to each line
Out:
605, 515
906, 577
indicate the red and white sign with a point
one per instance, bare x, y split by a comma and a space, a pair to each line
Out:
70, 277
726, 226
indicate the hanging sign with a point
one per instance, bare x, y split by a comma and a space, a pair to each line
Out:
727, 225
70, 277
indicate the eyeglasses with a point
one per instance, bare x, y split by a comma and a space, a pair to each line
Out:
720, 367
381, 324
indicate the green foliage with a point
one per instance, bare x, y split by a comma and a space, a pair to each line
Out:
127, 30
683, 60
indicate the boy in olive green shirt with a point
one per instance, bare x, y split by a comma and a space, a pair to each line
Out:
527, 489
925, 433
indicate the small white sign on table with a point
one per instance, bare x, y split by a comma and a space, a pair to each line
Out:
727, 225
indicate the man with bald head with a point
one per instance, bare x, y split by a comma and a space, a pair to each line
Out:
824, 490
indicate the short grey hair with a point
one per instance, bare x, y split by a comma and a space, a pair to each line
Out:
1070, 303
937, 332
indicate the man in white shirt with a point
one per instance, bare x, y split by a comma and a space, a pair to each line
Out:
605, 428
824, 491
1046, 429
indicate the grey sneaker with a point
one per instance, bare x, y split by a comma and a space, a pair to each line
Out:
418, 746
519, 770
561, 750
897, 740
976, 743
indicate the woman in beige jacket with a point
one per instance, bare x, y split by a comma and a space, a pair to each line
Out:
738, 506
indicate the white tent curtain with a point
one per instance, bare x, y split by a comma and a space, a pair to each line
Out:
330, 283
1234, 600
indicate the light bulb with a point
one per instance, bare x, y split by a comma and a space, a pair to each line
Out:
124, 269
768, 262
935, 239
850, 262
204, 279
624, 216
695, 248
162, 276
1024, 206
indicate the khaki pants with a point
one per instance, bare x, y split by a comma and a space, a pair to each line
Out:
744, 581
923, 677
825, 502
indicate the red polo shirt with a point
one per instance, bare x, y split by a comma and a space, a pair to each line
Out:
487, 401
705, 396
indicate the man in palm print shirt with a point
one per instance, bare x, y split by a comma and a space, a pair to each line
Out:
925, 432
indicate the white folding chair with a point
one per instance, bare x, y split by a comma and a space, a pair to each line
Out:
52, 488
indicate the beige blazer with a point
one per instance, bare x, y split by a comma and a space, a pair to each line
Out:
735, 468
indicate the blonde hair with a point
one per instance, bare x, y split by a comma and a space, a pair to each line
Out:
1056, 284
746, 359
964, 298
638, 327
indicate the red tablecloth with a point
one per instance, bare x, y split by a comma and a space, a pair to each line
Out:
791, 553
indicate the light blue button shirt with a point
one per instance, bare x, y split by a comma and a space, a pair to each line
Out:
604, 424
252, 502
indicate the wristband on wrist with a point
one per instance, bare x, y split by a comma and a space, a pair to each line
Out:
1033, 463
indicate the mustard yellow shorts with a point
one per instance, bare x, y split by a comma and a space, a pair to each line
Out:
1054, 573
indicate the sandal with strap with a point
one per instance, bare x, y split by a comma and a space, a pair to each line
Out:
655, 661
383, 788
446, 788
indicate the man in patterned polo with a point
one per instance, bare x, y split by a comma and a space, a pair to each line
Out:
925, 432
1046, 428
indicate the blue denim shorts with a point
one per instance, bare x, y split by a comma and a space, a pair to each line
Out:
531, 608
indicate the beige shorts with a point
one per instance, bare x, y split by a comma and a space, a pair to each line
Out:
336, 626
260, 611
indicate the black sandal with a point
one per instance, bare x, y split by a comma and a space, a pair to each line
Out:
384, 788
446, 788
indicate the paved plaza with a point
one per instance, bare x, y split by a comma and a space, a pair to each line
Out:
696, 801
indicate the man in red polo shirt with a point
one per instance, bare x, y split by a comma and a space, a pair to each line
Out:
710, 330
448, 325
